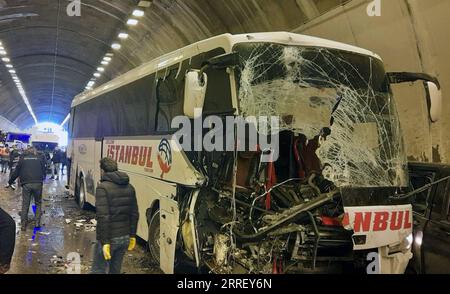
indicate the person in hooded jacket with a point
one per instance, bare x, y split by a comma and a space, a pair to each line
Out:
117, 217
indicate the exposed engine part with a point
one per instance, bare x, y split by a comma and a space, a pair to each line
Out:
221, 249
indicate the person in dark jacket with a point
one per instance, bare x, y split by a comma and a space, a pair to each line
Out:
7, 240
31, 172
117, 217
14, 157
63, 161
56, 160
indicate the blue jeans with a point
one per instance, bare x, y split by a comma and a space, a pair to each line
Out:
119, 247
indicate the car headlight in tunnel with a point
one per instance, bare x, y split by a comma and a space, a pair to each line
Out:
409, 241
418, 238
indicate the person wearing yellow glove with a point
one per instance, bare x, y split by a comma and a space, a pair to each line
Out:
117, 216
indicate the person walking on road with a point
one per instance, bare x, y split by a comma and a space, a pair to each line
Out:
56, 160
117, 217
7, 240
4, 158
31, 172
14, 157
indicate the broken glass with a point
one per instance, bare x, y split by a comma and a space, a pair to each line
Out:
312, 88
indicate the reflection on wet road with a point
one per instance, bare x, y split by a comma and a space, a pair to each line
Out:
65, 229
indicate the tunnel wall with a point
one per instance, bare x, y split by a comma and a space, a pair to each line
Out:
7, 126
410, 35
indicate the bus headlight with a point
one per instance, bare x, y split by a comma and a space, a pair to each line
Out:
409, 240
403, 246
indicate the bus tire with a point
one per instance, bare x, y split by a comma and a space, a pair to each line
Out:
154, 231
80, 194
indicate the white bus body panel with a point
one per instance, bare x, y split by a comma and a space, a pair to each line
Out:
153, 173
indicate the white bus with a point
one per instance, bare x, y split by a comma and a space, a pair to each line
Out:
331, 197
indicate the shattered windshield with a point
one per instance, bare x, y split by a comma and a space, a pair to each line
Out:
312, 88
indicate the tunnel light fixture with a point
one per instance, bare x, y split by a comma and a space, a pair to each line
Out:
65, 120
116, 46
107, 58
123, 35
17, 81
97, 74
109, 54
132, 22
104, 62
145, 4
138, 13
90, 84
100, 69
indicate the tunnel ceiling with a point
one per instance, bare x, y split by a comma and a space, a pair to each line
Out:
55, 54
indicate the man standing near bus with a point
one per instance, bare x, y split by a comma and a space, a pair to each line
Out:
56, 160
117, 217
31, 172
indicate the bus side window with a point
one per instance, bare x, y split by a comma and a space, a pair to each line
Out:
169, 95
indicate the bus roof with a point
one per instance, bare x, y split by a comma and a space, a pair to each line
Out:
226, 41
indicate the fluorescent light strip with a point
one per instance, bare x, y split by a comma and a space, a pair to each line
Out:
123, 35
65, 120
17, 81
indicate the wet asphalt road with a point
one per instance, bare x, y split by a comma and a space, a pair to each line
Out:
46, 251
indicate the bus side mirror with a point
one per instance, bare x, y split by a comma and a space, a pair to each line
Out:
432, 87
194, 92
434, 101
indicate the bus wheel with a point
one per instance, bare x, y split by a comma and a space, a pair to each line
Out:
154, 232
80, 194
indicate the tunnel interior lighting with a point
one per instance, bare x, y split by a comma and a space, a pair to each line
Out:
145, 4
132, 22
107, 58
97, 75
116, 46
123, 36
65, 120
17, 81
138, 13
100, 69
104, 62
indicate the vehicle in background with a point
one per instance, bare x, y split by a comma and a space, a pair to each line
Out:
431, 247
329, 199
18, 140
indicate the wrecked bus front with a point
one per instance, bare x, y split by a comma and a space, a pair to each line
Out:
326, 202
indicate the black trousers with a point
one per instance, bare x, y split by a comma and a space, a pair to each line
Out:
7, 238
29, 191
